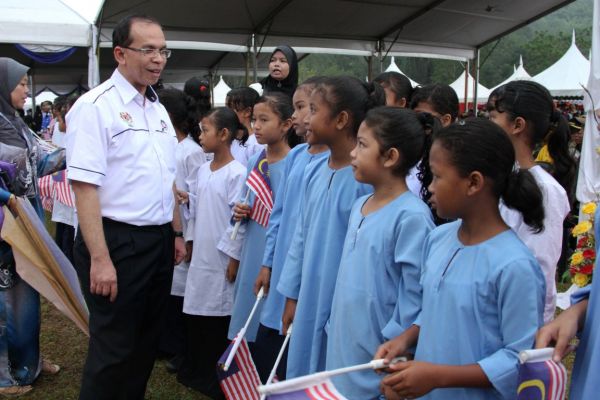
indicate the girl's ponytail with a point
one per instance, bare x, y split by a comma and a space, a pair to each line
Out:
375, 95
558, 147
242, 133
523, 194
431, 126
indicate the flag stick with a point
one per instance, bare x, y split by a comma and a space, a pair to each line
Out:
278, 360
242, 332
536, 355
303, 381
236, 228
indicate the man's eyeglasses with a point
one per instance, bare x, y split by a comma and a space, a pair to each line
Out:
165, 53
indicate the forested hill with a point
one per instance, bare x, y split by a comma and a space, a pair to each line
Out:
540, 43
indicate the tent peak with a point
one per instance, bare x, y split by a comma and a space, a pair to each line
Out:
573, 38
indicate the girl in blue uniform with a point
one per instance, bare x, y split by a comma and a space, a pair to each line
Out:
338, 105
279, 236
377, 293
272, 123
483, 291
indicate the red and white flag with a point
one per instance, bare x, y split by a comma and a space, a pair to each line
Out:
260, 184
240, 381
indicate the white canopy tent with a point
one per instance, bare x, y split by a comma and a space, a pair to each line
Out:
393, 67
568, 75
588, 179
220, 93
459, 87
519, 74
53, 23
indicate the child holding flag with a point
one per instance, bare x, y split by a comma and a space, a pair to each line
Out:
338, 105
208, 295
282, 225
272, 123
483, 291
378, 280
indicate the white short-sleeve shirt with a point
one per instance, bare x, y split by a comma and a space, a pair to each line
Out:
125, 144
546, 246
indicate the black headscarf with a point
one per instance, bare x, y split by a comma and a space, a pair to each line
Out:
11, 73
289, 84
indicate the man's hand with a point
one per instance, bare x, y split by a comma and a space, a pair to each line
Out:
103, 278
189, 247
180, 250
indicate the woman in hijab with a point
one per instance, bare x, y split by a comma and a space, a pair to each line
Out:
283, 71
20, 360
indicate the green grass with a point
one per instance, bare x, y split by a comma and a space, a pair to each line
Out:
64, 344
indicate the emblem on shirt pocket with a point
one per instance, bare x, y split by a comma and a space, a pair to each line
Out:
163, 125
127, 118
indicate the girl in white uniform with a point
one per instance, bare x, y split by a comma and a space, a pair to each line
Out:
189, 157
526, 112
208, 296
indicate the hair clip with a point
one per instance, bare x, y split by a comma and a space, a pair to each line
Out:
462, 122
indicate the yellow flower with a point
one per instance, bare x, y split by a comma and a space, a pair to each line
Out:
581, 228
581, 279
577, 258
589, 208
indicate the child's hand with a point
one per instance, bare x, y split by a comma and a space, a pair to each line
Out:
182, 197
263, 281
413, 379
561, 331
288, 314
232, 270
241, 211
392, 348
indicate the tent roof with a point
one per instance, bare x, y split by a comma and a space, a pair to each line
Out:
214, 36
46, 22
567, 75
394, 68
454, 28
459, 87
518, 74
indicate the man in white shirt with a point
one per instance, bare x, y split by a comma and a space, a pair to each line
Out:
121, 163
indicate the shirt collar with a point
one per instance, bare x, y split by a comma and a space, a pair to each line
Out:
127, 91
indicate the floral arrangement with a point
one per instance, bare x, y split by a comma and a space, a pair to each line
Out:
584, 257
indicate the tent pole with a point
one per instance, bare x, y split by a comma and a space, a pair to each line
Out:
247, 72
254, 59
475, 94
33, 89
466, 86
380, 56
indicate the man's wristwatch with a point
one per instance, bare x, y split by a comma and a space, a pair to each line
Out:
178, 234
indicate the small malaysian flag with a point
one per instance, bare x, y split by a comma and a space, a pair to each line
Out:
540, 377
260, 184
62, 189
46, 192
46, 186
240, 381
318, 391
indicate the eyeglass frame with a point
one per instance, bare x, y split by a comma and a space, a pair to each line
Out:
164, 53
